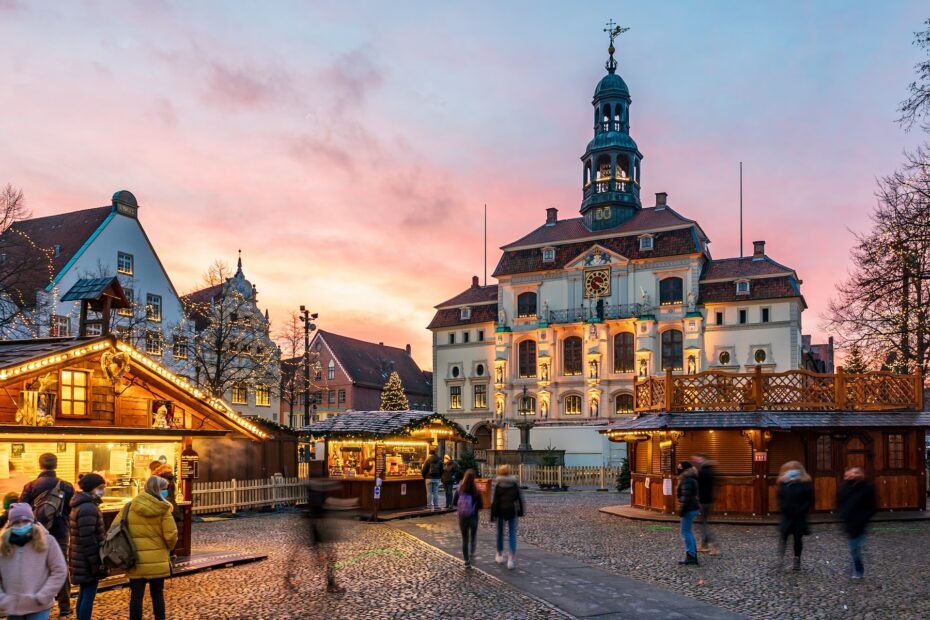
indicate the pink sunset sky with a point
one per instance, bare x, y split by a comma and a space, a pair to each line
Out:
348, 149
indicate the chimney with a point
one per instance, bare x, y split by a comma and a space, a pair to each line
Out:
474, 281
380, 344
758, 249
407, 348
661, 199
552, 216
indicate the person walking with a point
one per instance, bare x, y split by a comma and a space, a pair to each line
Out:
154, 535
467, 502
50, 499
688, 509
856, 503
432, 474
450, 475
795, 499
506, 507
707, 481
32, 567
87, 535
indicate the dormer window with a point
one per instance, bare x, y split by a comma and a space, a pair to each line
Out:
548, 255
466, 313
646, 243
742, 287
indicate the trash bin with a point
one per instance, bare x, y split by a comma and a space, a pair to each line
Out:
484, 487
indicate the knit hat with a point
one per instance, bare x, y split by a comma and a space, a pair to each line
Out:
10, 498
162, 470
89, 482
20, 511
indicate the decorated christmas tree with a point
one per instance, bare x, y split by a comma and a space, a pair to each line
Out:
854, 362
392, 396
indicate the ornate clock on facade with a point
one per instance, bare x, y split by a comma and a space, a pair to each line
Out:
596, 283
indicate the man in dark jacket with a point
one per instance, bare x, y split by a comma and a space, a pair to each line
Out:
450, 475
856, 504
40, 489
689, 507
706, 479
87, 534
506, 507
432, 473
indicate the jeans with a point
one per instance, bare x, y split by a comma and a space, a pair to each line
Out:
85, 600
137, 595
706, 536
512, 532
39, 615
449, 488
687, 520
432, 493
469, 528
856, 543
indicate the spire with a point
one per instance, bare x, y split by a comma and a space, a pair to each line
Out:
239, 265
613, 31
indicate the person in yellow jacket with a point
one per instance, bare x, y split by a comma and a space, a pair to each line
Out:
154, 534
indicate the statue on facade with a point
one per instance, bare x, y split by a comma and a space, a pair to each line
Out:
544, 409
545, 312
594, 407
691, 301
501, 317
692, 365
500, 407
592, 367
645, 300
544, 372
499, 374
642, 367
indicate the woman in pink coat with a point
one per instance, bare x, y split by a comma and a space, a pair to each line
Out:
32, 567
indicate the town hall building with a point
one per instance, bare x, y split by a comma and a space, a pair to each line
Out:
585, 305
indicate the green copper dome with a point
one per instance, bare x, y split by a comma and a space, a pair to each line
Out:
611, 140
611, 85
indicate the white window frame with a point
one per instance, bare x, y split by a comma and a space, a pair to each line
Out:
153, 342
153, 307
240, 394
131, 298
646, 243
743, 287
262, 395
180, 348
548, 255
55, 326
465, 314
331, 370
120, 263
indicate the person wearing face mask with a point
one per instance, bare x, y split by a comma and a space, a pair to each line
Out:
795, 499
32, 567
154, 535
87, 535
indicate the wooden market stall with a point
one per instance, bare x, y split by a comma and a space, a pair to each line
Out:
102, 406
362, 448
749, 424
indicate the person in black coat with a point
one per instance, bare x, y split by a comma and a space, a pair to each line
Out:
87, 535
46, 481
470, 499
795, 499
689, 507
857, 504
450, 475
707, 481
506, 507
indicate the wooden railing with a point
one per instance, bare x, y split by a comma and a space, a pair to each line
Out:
600, 476
234, 495
799, 390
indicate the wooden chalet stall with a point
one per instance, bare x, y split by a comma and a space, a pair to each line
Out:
749, 424
361, 447
100, 405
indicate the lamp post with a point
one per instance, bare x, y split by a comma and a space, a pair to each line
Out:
309, 326
526, 422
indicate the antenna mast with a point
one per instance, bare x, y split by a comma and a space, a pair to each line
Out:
485, 244
741, 209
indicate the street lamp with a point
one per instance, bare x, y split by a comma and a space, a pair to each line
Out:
527, 410
309, 326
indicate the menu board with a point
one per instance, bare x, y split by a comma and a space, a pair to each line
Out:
119, 459
379, 462
85, 461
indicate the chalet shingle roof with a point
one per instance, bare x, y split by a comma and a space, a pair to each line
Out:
378, 424
14, 352
746, 267
450, 317
369, 364
763, 288
68, 230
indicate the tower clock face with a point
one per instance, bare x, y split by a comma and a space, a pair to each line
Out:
597, 283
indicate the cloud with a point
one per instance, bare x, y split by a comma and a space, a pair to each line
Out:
351, 78
241, 87
311, 151
11, 6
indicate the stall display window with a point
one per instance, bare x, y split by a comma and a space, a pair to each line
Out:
74, 388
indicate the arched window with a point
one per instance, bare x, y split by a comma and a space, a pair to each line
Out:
526, 304
572, 404
603, 172
526, 354
527, 406
571, 356
623, 167
618, 117
672, 354
606, 116
587, 172
624, 403
331, 370
623, 352
670, 291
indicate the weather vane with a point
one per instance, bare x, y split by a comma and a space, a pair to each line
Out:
613, 31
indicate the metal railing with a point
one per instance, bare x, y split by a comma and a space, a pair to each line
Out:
584, 313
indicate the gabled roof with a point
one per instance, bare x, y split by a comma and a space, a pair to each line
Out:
96, 289
375, 424
473, 295
762, 288
369, 364
452, 317
70, 231
745, 267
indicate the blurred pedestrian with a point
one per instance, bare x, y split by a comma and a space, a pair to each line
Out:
857, 504
87, 535
795, 500
688, 509
707, 481
450, 475
323, 504
506, 507
10, 498
154, 535
467, 502
50, 499
32, 567
432, 474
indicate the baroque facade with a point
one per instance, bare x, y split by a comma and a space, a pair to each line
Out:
585, 305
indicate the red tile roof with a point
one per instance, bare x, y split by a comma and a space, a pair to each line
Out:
452, 317
369, 364
763, 288
473, 295
667, 243
572, 229
746, 267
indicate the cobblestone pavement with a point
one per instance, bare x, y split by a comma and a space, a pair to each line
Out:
742, 578
387, 574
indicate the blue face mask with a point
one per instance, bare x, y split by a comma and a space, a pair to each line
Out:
22, 530
164, 493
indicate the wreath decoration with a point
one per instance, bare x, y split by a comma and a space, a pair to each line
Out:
114, 365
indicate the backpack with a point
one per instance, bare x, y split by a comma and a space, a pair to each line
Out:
49, 505
118, 551
465, 506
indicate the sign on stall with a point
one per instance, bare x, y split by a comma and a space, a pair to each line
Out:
377, 488
667, 486
403, 488
760, 456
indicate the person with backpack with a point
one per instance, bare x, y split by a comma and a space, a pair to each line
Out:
467, 502
506, 506
50, 499
432, 473
32, 567
450, 475
154, 535
87, 536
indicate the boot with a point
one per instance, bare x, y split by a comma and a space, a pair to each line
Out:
797, 563
779, 563
690, 559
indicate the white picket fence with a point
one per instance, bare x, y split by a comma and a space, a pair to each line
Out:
234, 495
601, 477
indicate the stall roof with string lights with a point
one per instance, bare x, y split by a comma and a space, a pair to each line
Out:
373, 425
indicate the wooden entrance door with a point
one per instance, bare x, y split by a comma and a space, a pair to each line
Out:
857, 452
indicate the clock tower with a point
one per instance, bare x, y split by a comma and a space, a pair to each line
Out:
611, 161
